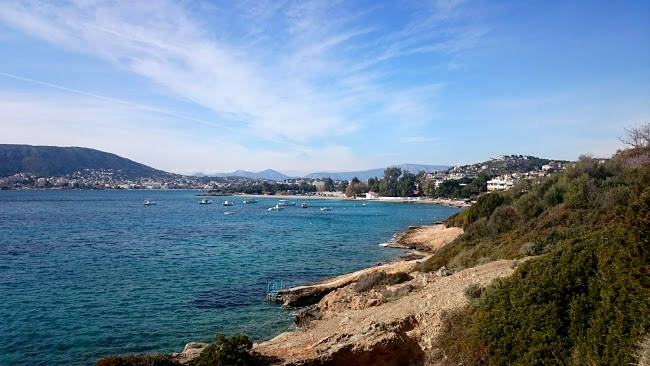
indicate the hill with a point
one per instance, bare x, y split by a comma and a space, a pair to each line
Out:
264, 174
363, 175
59, 161
584, 297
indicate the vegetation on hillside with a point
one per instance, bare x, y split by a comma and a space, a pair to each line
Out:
586, 301
59, 161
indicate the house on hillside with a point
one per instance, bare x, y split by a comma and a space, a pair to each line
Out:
501, 183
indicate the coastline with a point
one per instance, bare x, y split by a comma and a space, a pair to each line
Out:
324, 306
419, 200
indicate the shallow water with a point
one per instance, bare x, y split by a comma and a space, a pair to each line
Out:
84, 274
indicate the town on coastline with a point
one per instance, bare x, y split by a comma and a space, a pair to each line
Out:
464, 182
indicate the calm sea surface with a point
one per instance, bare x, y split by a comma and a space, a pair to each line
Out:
84, 274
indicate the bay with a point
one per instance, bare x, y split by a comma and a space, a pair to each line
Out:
85, 274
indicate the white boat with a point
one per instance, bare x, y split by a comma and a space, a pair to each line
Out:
249, 201
285, 203
149, 203
303, 205
276, 208
326, 209
228, 213
205, 202
227, 203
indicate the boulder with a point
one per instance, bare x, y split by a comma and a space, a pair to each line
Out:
191, 351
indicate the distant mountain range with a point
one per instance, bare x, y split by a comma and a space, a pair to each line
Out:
264, 174
59, 161
361, 174
379, 172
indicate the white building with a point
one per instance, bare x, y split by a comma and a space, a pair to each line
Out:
500, 183
371, 195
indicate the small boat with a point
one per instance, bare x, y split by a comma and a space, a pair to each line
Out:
303, 205
227, 203
205, 202
276, 208
149, 203
326, 208
228, 213
249, 201
285, 203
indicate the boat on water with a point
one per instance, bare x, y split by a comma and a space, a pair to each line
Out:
303, 205
285, 203
228, 203
205, 202
276, 208
149, 203
326, 208
249, 201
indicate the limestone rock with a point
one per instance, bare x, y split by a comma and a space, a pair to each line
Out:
191, 351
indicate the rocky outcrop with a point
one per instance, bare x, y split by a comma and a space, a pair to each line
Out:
394, 325
191, 351
426, 238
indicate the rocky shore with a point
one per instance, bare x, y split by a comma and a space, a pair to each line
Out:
393, 324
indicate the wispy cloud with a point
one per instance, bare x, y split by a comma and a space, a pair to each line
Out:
283, 93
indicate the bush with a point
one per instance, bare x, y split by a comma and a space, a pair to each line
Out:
227, 351
375, 280
504, 218
587, 301
474, 291
457, 343
138, 360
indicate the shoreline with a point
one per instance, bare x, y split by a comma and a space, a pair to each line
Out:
418, 200
423, 242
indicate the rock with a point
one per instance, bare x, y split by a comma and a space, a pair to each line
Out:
378, 344
305, 316
191, 351
443, 272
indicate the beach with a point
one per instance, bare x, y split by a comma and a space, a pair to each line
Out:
424, 200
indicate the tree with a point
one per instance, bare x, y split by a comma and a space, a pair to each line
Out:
329, 184
388, 185
343, 185
406, 185
637, 137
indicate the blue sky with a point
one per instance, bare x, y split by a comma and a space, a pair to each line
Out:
303, 86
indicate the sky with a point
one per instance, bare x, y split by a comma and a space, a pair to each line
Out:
306, 86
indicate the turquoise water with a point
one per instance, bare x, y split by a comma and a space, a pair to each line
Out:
84, 274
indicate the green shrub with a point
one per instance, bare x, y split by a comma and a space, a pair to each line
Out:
504, 218
229, 351
457, 343
474, 291
374, 280
587, 301
138, 360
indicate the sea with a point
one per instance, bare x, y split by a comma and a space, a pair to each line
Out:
90, 273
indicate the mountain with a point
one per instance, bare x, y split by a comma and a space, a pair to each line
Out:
379, 172
264, 174
56, 161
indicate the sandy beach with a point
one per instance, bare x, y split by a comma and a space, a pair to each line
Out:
423, 200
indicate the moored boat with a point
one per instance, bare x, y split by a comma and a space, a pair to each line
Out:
228, 203
205, 202
275, 208
326, 208
285, 203
249, 201
303, 205
149, 203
